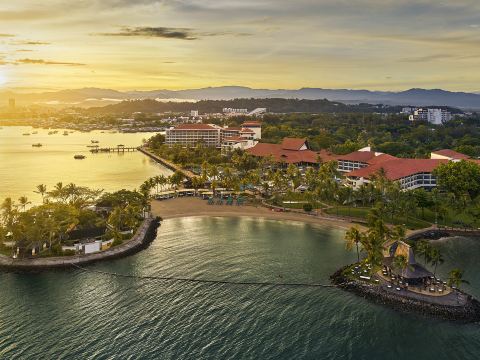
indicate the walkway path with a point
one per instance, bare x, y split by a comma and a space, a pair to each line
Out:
170, 165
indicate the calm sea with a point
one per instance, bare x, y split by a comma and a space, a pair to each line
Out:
86, 315
23, 167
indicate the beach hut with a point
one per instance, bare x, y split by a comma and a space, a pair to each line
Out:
412, 273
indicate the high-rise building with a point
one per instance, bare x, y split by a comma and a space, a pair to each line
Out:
433, 116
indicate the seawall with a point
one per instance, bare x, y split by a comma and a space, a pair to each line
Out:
467, 313
435, 234
144, 235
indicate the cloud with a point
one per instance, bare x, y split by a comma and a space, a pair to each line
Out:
29, 42
45, 62
169, 33
154, 32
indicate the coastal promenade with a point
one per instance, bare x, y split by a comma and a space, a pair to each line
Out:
143, 236
166, 163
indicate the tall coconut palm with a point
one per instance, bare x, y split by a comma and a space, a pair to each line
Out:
436, 258
42, 190
400, 262
455, 278
353, 236
424, 248
23, 202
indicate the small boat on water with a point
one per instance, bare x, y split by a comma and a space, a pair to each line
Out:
92, 146
35, 132
94, 141
79, 157
37, 145
65, 133
26, 134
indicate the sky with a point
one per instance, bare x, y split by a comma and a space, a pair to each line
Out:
181, 44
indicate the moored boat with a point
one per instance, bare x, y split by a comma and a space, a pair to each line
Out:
79, 157
37, 145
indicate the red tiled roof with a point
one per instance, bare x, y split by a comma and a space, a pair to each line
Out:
361, 156
293, 143
451, 154
194, 127
398, 168
280, 154
381, 158
326, 155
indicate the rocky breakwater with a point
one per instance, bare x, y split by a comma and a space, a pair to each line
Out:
467, 310
144, 235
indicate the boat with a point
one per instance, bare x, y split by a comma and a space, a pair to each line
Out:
79, 157
94, 141
26, 134
65, 133
35, 132
37, 145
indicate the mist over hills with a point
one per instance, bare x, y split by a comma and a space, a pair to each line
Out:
94, 97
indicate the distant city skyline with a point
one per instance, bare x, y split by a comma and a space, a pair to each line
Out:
182, 44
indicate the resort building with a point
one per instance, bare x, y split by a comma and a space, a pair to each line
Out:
193, 134
237, 142
214, 135
360, 159
409, 173
255, 126
291, 151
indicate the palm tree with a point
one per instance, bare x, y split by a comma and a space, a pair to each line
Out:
455, 277
373, 243
436, 258
400, 262
353, 236
23, 202
424, 248
42, 190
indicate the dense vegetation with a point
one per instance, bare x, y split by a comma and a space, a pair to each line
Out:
392, 134
66, 212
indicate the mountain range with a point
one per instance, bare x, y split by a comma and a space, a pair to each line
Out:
93, 97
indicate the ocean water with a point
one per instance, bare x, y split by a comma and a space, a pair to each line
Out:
23, 167
87, 315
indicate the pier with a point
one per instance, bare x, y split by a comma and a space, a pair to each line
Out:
117, 149
169, 165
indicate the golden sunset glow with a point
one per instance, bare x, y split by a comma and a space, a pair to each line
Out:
374, 44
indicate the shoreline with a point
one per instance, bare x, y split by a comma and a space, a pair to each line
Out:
144, 235
194, 207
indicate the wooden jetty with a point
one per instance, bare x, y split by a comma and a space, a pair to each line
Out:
117, 149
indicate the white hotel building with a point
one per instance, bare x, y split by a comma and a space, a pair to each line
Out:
227, 138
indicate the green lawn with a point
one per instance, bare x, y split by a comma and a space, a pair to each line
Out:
412, 223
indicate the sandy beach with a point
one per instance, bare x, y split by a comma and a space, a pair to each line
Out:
187, 206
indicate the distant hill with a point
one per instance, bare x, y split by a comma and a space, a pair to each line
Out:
90, 97
276, 105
